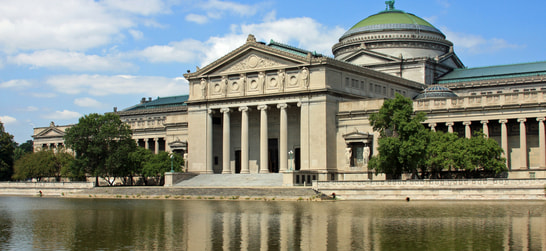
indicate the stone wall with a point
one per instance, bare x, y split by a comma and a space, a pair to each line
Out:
484, 189
43, 188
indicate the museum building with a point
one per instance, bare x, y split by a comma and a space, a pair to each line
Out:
271, 107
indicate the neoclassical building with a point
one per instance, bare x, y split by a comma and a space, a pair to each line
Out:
271, 107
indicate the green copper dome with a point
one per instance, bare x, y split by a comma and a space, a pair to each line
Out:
391, 17
391, 20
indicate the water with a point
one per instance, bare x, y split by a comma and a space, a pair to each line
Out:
101, 224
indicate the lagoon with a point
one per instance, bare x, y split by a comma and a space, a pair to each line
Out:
33, 223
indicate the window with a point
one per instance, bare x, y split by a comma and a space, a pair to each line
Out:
360, 154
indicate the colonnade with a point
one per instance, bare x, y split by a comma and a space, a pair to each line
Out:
264, 137
156, 145
524, 158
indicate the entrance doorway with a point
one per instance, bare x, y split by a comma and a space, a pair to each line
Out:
273, 151
238, 161
297, 159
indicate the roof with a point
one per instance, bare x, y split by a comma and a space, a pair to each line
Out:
160, 102
494, 72
292, 49
436, 91
391, 20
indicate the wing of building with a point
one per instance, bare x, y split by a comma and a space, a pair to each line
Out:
271, 107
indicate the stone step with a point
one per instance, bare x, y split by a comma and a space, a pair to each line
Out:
233, 180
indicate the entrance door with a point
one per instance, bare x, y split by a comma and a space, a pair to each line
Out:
297, 159
238, 161
273, 149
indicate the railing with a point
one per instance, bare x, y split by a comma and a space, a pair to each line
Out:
460, 183
41, 185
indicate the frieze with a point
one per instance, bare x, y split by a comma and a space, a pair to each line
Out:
253, 62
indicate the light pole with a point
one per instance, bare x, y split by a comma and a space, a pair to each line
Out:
172, 157
291, 156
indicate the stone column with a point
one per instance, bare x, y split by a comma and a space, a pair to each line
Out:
226, 168
485, 128
147, 143
522, 143
244, 139
283, 141
504, 139
156, 145
541, 142
467, 132
432, 126
209, 144
264, 158
450, 127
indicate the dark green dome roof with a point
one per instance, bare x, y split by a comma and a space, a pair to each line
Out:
436, 91
391, 20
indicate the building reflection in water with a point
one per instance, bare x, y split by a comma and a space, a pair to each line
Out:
66, 224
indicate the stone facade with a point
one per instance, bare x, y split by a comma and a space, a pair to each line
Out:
268, 108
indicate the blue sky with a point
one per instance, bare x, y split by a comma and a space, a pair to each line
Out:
62, 59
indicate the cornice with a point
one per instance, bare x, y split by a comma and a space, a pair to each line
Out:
496, 82
373, 73
389, 38
153, 111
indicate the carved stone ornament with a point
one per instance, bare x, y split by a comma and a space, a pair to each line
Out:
253, 62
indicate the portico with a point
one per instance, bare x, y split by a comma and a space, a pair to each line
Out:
253, 137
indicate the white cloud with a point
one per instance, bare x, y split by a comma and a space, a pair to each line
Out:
136, 34
16, 84
100, 85
88, 102
231, 7
141, 7
58, 24
316, 37
6, 120
216, 9
72, 25
62, 115
43, 94
29, 109
75, 61
183, 52
477, 44
195, 18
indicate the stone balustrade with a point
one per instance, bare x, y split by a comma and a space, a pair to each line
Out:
500, 99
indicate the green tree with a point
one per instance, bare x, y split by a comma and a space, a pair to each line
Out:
42, 164
403, 139
22, 149
102, 144
7, 148
445, 152
484, 156
138, 159
156, 167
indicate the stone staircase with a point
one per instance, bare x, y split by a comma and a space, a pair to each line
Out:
233, 180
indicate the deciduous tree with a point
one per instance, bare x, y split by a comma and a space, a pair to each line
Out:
7, 147
102, 144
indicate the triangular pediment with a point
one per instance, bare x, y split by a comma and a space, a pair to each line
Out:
367, 57
356, 135
252, 57
451, 60
51, 132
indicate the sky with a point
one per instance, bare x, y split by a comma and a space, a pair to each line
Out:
63, 59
